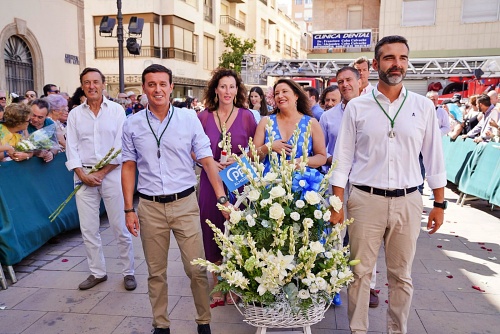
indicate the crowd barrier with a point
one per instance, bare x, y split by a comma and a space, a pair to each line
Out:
474, 168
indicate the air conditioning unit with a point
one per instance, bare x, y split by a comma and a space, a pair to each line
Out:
266, 42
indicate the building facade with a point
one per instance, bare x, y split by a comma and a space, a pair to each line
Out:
37, 50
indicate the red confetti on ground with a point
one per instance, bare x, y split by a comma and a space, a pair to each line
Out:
439, 246
386, 301
386, 284
489, 250
480, 243
64, 260
483, 247
377, 291
450, 276
475, 287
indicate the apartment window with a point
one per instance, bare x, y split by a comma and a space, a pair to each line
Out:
208, 10
18, 65
354, 17
208, 53
419, 13
178, 38
480, 11
308, 2
298, 2
263, 27
242, 17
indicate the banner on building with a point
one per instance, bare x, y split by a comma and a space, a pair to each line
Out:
342, 39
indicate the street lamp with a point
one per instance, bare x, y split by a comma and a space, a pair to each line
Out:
119, 35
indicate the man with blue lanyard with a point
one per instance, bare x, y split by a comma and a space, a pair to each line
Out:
381, 136
157, 142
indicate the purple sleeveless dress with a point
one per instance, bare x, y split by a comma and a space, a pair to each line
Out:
241, 130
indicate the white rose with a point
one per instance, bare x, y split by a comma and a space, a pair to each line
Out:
313, 288
235, 217
312, 197
321, 283
265, 202
335, 202
253, 195
295, 216
327, 215
277, 192
302, 183
270, 176
316, 247
308, 222
341, 275
276, 211
328, 255
265, 223
318, 214
250, 220
300, 204
304, 294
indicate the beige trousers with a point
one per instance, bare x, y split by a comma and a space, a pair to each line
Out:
396, 221
156, 221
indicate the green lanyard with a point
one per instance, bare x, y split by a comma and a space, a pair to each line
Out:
158, 140
392, 134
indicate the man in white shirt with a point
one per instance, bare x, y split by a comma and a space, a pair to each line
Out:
362, 64
95, 127
381, 136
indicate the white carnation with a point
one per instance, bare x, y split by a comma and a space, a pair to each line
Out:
304, 294
318, 214
327, 215
250, 220
312, 197
300, 204
277, 192
276, 211
295, 216
335, 202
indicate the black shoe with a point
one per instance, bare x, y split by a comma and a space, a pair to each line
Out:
204, 329
161, 331
91, 281
129, 282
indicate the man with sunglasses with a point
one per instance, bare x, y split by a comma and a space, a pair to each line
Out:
50, 89
3, 98
31, 95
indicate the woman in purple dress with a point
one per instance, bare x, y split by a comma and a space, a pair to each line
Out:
225, 99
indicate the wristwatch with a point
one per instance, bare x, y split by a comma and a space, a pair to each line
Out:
222, 200
129, 210
443, 205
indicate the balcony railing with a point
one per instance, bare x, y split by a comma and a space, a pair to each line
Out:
146, 51
226, 19
288, 50
278, 46
179, 54
295, 53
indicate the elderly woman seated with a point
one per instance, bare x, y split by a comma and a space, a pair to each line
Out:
13, 129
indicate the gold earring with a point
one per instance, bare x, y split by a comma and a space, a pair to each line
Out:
235, 100
216, 98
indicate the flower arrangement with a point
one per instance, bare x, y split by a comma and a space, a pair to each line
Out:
279, 248
24, 145
104, 162
42, 139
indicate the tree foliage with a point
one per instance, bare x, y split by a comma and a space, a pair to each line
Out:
232, 57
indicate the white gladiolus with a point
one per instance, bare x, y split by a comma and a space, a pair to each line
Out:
335, 202
312, 197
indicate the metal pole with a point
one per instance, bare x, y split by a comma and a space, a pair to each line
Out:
119, 35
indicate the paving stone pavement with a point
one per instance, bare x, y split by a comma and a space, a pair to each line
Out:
46, 299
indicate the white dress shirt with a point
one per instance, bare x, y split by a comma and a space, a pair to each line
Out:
367, 89
366, 154
90, 137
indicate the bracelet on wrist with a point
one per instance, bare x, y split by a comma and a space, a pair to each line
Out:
129, 210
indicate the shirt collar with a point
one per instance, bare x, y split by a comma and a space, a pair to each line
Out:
105, 101
378, 94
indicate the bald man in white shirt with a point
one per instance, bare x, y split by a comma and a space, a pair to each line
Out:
381, 136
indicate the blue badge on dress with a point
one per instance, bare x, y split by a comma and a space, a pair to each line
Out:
233, 177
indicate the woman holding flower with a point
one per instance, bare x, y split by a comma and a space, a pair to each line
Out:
16, 119
228, 125
292, 109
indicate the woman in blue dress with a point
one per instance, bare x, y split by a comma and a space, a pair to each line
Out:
292, 108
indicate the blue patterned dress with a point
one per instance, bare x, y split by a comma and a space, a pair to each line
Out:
304, 121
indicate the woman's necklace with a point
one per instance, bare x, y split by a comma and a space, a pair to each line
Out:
227, 119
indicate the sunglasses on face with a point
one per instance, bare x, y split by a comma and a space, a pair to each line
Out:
3, 98
29, 95
54, 91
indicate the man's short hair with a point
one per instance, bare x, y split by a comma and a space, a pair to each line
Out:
362, 60
91, 69
41, 104
156, 68
389, 40
348, 68
312, 92
48, 88
484, 99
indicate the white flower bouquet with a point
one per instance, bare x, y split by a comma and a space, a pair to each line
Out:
44, 138
279, 248
24, 145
